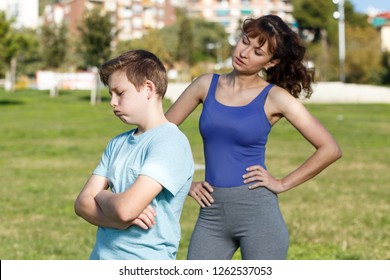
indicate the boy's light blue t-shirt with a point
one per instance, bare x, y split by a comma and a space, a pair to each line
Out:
164, 154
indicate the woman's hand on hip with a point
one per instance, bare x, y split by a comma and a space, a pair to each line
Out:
201, 192
262, 178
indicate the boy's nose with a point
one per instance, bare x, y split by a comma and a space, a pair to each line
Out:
113, 101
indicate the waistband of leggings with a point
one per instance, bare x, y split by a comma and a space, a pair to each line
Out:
236, 193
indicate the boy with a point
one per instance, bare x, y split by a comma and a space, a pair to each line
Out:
148, 169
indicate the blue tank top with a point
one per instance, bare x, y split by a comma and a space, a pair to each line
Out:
234, 137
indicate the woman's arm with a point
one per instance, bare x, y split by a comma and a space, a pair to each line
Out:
327, 150
191, 97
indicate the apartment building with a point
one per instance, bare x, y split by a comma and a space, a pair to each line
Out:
25, 13
230, 13
131, 17
381, 22
134, 17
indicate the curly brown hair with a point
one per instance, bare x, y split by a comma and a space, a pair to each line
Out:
284, 44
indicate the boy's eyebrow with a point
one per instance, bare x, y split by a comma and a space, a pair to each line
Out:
113, 89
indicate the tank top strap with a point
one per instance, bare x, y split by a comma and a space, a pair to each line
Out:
213, 87
264, 93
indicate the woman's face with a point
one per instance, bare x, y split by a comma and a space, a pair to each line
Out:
249, 57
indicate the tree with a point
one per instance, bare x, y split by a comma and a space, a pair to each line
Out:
96, 35
14, 45
316, 17
185, 39
364, 65
29, 56
6, 41
54, 43
153, 41
386, 68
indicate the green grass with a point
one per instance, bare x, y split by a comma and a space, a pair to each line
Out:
49, 146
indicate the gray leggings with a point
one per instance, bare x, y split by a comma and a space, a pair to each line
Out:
239, 217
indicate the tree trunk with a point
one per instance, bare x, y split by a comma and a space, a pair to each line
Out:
10, 77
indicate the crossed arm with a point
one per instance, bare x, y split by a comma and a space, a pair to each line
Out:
99, 206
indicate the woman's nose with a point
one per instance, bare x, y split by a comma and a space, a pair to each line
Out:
244, 52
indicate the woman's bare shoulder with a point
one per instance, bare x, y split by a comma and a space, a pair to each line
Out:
204, 79
281, 99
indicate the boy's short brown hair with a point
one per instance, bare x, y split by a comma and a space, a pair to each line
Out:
139, 66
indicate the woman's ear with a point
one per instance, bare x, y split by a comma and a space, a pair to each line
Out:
272, 63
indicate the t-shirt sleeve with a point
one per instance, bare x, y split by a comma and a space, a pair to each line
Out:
102, 167
169, 161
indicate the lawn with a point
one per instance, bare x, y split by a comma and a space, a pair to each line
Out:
49, 146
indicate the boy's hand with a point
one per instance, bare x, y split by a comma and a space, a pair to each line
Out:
201, 192
146, 219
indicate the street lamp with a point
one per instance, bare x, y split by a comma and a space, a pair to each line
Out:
339, 14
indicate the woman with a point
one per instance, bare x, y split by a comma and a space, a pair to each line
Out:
239, 196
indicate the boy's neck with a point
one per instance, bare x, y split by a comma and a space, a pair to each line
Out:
151, 123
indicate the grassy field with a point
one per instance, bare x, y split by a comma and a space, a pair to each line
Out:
48, 147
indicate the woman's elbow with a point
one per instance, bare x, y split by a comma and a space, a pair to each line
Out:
335, 152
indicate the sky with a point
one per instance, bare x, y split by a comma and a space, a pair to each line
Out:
363, 6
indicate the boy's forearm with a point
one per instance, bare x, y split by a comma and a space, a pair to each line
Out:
90, 211
106, 202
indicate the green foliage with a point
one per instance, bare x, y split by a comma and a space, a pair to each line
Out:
20, 44
363, 64
6, 43
185, 45
209, 32
353, 18
316, 16
152, 41
54, 43
96, 35
386, 68
166, 43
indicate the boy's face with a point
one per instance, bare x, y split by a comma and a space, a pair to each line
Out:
127, 102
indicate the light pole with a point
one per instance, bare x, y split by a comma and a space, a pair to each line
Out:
339, 14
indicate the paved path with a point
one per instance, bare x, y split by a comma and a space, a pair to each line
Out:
324, 92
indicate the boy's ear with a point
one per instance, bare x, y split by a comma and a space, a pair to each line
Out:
150, 88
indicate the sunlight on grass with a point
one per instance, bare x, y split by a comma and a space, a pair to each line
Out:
49, 146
